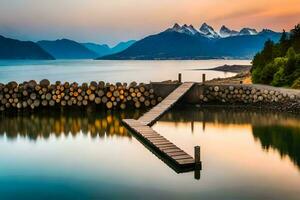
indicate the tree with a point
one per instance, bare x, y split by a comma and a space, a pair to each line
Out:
284, 43
283, 37
295, 33
291, 54
295, 38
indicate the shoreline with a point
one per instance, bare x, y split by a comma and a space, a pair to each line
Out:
230, 68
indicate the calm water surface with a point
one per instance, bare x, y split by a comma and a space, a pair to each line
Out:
81, 155
110, 71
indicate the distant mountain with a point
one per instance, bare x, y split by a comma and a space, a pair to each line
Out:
99, 49
166, 45
208, 31
122, 46
226, 32
15, 49
185, 42
244, 46
190, 30
103, 49
248, 31
67, 49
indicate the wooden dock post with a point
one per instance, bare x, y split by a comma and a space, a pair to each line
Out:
197, 155
197, 162
179, 78
203, 78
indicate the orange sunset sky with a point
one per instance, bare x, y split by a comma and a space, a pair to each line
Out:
111, 21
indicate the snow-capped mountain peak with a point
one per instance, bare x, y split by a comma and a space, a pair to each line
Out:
248, 31
208, 31
226, 32
190, 30
176, 27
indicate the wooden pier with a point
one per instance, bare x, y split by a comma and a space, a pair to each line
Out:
167, 148
162, 147
156, 112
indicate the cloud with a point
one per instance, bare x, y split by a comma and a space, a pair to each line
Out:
246, 12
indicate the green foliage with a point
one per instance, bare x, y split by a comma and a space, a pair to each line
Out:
268, 73
278, 64
296, 84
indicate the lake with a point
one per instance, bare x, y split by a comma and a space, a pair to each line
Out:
111, 71
90, 155
79, 154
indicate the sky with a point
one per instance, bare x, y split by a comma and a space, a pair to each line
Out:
112, 21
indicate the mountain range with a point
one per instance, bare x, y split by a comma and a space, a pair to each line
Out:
186, 42
67, 49
58, 49
177, 42
15, 49
104, 49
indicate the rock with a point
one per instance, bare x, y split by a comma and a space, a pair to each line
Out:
292, 97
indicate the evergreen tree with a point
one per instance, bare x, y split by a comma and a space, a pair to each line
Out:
295, 33
283, 37
295, 38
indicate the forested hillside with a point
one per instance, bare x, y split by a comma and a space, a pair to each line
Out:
278, 64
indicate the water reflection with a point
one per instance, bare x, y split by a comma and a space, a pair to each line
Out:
274, 131
284, 139
44, 124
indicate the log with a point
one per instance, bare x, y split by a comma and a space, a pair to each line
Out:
123, 106
104, 100
97, 100
109, 104
137, 104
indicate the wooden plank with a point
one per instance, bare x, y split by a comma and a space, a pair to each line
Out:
185, 156
176, 153
184, 159
167, 147
158, 143
172, 150
158, 140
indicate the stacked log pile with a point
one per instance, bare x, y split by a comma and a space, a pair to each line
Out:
31, 95
245, 94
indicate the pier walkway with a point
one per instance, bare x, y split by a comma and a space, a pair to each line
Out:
163, 147
156, 112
